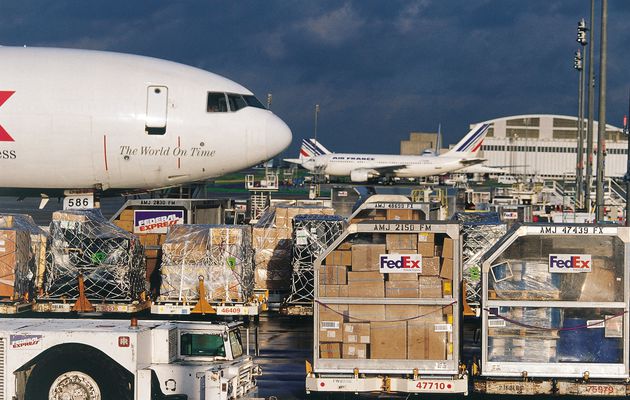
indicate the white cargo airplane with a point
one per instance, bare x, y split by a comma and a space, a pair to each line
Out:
82, 119
362, 167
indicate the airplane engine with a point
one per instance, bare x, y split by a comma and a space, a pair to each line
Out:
360, 176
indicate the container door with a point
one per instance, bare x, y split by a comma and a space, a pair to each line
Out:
157, 102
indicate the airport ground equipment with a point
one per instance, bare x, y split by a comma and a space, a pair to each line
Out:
113, 359
22, 262
92, 265
312, 235
393, 208
480, 231
207, 269
554, 318
387, 315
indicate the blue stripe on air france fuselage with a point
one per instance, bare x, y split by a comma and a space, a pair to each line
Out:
473, 138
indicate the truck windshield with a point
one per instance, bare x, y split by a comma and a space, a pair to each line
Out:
236, 344
202, 345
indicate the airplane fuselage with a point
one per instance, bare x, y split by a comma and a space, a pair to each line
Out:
343, 164
90, 119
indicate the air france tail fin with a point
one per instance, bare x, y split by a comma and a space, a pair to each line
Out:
312, 148
470, 144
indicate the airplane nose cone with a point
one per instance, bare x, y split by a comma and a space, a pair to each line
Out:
278, 135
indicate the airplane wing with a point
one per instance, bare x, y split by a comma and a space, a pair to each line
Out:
293, 161
472, 161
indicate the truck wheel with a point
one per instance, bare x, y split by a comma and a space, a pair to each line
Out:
74, 385
76, 379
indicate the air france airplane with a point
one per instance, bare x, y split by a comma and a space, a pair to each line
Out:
362, 167
82, 119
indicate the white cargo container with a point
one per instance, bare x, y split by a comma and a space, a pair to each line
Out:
555, 299
113, 359
387, 311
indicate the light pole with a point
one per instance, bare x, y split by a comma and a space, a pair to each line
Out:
316, 116
626, 177
601, 125
591, 109
579, 66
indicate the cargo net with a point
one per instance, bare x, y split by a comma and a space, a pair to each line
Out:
109, 259
312, 234
22, 257
220, 255
480, 231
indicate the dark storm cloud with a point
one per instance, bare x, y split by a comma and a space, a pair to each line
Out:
379, 69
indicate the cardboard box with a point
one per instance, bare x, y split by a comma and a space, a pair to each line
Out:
430, 266
149, 239
333, 275
126, 215
358, 313
448, 248
446, 271
424, 343
365, 276
402, 277
330, 350
125, 225
331, 324
399, 215
339, 257
372, 289
388, 340
356, 332
426, 237
399, 312
333, 290
15, 249
402, 289
426, 249
70, 217
429, 287
354, 350
401, 241
365, 257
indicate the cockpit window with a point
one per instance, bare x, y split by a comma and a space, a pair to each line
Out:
217, 102
252, 101
236, 102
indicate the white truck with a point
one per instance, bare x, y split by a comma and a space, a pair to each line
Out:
115, 359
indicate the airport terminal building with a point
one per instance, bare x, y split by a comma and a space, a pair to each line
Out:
546, 145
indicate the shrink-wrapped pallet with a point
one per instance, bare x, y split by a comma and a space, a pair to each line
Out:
220, 254
83, 243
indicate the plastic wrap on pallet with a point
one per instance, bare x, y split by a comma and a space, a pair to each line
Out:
110, 259
220, 254
312, 234
529, 280
522, 334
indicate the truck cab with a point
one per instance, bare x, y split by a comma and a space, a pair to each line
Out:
115, 359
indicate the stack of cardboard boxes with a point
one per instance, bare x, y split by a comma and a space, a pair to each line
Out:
15, 254
273, 245
221, 254
391, 214
386, 331
150, 241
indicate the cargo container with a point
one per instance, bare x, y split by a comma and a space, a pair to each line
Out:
207, 269
22, 262
393, 208
387, 310
555, 299
92, 265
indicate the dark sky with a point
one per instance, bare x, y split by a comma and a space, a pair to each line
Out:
378, 69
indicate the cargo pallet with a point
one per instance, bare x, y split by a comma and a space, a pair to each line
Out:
554, 317
551, 387
297, 309
66, 306
14, 307
166, 307
358, 317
